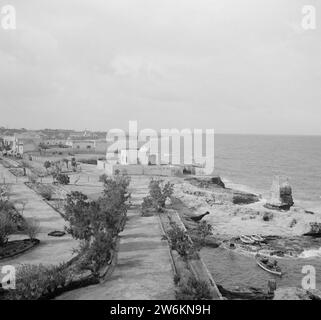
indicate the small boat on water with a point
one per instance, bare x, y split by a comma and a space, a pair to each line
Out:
246, 239
257, 238
277, 253
268, 266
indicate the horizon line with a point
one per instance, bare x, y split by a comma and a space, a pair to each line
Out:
158, 131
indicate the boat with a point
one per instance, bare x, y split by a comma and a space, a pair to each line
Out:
246, 239
257, 238
264, 263
277, 253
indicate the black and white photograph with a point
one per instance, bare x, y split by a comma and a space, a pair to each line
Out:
160, 152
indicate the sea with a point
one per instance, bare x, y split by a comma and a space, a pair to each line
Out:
249, 163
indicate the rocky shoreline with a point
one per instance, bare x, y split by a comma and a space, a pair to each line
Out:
287, 229
234, 212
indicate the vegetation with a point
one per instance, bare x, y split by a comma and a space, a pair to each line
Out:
5, 192
32, 178
8, 210
47, 165
25, 165
46, 192
267, 216
194, 290
9, 217
203, 230
35, 281
159, 192
97, 223
31, 228
74, 164
88, 161
7, 227
62, 178
180, 241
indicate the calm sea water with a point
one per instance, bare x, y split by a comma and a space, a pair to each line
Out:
252, 161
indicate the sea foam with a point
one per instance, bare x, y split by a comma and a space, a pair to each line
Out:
311, 253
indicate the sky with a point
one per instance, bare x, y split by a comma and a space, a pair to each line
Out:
237, 66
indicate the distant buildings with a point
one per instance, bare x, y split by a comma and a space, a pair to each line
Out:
98, 145
21, 143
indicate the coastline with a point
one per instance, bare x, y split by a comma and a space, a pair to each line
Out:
236, 271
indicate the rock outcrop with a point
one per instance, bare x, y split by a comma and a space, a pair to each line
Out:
244, 293
281, 195
315, 230
217, 181
293, 293
244, 198
207, 182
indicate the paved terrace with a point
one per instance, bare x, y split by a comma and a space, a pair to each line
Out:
51, 250
144, 267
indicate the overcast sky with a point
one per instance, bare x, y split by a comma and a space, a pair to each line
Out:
238, 66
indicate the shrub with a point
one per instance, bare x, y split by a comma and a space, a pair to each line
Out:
78, 215
194, 290
62, 178
113, 203
8, 209
35, 281
147, 207
32, 178
180, 241
98, 253
88, 161
46, 192
158, 194
31, 228
5, 190
203, 230
7, 227
96, 223
47, 165
267, 216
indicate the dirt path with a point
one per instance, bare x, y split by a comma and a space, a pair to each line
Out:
144, 269
51, 250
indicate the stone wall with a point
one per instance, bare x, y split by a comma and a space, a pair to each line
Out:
156, 170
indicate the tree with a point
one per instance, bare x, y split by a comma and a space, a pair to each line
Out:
7, 227
62, 178
25, 165
66, 161
96, 223
203, 229
78, 215
47, 165
158, 194
5, 190
74, 164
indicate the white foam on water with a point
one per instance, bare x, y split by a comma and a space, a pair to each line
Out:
311, 253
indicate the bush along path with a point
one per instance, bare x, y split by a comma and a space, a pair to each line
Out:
192, 278
144, 269
95, 224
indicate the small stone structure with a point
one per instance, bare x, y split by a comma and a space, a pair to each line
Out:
281, 194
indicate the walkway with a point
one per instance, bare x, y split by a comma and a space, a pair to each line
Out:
51, 250
144, 269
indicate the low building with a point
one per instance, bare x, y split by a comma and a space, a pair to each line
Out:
54, 142
23, 142
83, 144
